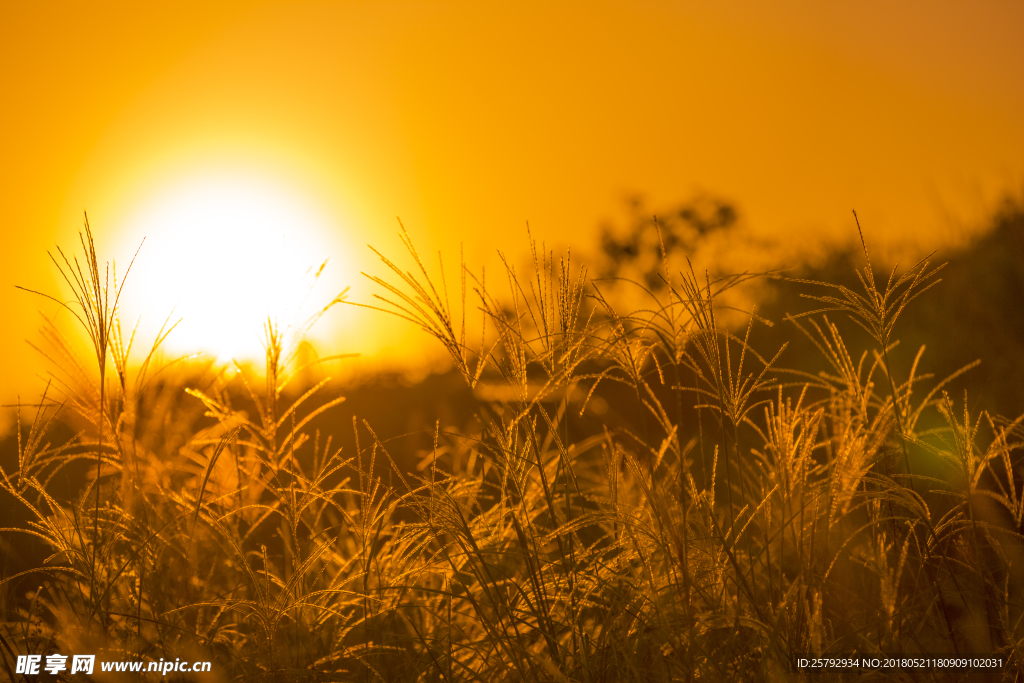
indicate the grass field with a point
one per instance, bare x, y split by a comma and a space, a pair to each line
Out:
634, 495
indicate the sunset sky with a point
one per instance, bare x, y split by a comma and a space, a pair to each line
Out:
310, 126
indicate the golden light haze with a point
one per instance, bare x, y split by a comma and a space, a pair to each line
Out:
468, 119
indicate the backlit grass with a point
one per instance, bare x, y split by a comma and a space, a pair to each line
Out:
642, 495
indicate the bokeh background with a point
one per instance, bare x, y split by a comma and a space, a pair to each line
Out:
329, 119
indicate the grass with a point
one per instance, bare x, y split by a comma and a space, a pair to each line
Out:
716, 515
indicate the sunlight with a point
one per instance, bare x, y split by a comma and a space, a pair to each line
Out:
224, 250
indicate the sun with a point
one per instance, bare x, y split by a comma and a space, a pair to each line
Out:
222, 251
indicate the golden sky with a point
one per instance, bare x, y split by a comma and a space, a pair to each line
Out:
468, 119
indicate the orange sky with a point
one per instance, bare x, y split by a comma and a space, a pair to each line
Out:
467, 119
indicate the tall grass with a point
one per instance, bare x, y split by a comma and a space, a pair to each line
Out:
643, 496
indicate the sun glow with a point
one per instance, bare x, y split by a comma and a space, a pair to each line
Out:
223, 251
